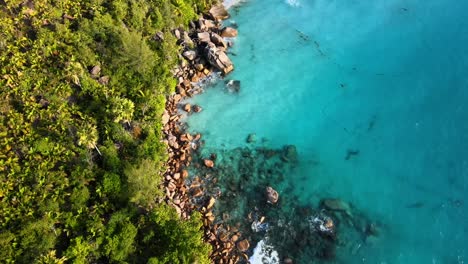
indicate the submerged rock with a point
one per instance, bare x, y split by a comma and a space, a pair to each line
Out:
336, 205
289, 153
197, 108
272, 195
208, 163
251, 138
233, 86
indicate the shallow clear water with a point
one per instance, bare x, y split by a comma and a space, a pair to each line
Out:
386, 78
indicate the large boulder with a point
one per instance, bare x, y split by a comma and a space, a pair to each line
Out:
218, 58
229, 32
218, 12
190, 55
272, 195
336, 205
218, 40
204, 37
206, 24
243, 245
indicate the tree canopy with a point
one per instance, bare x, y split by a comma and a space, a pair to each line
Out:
82, 90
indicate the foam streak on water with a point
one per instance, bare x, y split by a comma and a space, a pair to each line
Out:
374, 95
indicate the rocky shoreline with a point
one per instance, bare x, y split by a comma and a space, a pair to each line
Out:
203, 52
250, 179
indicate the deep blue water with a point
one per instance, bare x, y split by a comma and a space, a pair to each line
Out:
387, 78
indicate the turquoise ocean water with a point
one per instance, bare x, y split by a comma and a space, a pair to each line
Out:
387, 79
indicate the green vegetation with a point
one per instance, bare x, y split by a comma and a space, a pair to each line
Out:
83, 86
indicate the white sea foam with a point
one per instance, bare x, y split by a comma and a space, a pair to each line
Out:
293, 3
230, 3
264, 253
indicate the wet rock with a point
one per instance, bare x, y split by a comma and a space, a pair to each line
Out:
233, 86
187, 108
336, 205
372, 240
208, 163
218, 40
272, 195
229, 32
323, 224
218, 58
218, 12
251, 138
288, 261
190, 55
243, 245
197, 108
211, 203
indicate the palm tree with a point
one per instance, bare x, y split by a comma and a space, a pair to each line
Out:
88, 136
122, 110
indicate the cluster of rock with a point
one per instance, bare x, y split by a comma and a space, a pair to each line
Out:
204, 52
244, 184
248, 183
204, 48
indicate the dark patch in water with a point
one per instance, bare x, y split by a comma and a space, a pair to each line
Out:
415, 205
252, 51
292, 227
317, 46
371, 123
350, 153
302, 35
